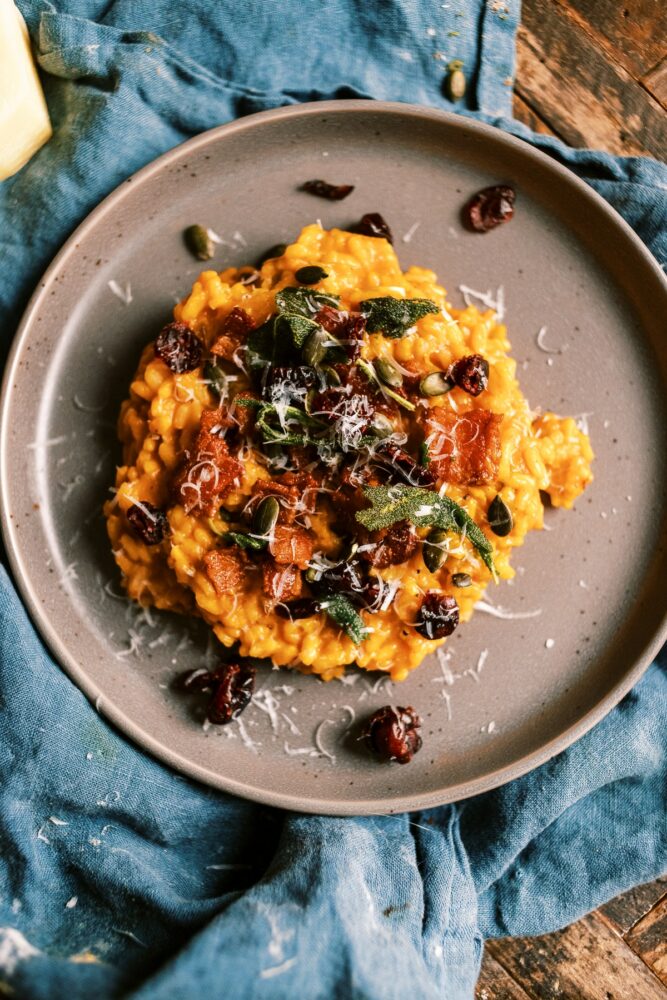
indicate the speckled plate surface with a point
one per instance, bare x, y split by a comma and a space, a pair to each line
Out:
588, 592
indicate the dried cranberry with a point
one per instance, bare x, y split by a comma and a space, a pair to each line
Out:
470, 374
350, 578
372, 224
394, 733
406, 466
438, 616
332, 192
199, 679
149, 523
490, 207
179, 348
304, 607
232, 693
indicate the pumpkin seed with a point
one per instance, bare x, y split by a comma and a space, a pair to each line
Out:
461, 579
275, 251
499, 517
311, 575
382, 426
388, 373
433, 551
316, 347
456, 85
266, 515
199, 242
434, 384
332, 376
310, 275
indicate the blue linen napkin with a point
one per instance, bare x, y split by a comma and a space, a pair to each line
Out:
119, 878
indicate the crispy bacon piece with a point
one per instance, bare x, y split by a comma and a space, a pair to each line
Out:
233, 332
346, 327
281, 583
226, 569
392, 545
291, 544
465, 447
209, 470
296, 493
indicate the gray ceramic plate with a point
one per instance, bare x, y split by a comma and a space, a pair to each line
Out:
590, 604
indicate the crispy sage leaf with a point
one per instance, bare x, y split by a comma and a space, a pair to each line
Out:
341, 611
423, 508
245, 541
303, 301
394, 317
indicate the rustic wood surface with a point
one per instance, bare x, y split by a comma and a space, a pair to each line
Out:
593, 72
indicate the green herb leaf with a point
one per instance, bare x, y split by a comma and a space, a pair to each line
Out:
303, 301
293, 330
216, 378
424, 508
341, 611
260, 345
245, 541
394, 317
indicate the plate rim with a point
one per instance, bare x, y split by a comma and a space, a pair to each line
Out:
76, 672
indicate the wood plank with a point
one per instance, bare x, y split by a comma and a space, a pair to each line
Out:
656, 81
627, 910
582, 96
586, 961
649, 939
496, 984
523, 112
635, 30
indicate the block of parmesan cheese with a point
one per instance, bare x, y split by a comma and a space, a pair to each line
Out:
24, 119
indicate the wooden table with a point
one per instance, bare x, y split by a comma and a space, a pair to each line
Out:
593, 72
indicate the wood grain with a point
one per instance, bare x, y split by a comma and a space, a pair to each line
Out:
582, 962
656, 82
649, 939
634, 31
523, 112
578, 91
496, 984
627, 910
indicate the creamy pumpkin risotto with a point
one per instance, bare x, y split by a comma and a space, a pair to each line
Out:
328, 463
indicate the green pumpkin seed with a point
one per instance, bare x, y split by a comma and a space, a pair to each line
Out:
199, 242
499, 517
434, 384
382, 426
332, 376
456, 85
461, 579
310, 275
311, 575
388, 373
275, 251
315, 348
266, 515
433, 551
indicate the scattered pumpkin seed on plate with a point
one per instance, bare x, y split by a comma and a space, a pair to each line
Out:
199, 242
